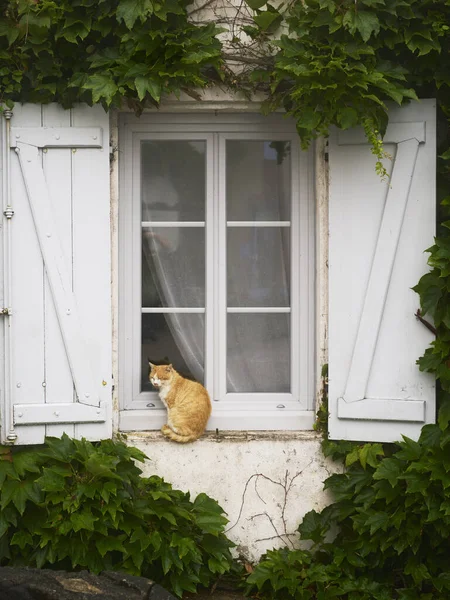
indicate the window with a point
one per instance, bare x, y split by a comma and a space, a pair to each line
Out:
217, 267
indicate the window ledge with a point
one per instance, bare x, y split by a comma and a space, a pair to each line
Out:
230, 436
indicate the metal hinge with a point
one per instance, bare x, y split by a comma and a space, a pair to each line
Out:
5, 312
8, 212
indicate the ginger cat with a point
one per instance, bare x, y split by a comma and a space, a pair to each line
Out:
187, 402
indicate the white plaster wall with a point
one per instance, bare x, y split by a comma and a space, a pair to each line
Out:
265, 481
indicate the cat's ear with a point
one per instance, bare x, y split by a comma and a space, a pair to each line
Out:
169, 368
150, 363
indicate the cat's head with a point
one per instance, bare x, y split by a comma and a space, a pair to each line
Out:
160, 375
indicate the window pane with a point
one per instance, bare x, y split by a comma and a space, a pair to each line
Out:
258, 180
258, 353
258, 266
177, 339
173, 180
173, 267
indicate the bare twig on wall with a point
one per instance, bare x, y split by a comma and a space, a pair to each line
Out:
286, 485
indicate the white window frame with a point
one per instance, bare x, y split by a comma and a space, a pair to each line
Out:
256, 411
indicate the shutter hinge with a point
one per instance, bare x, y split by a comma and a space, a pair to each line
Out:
5, 312
8, 212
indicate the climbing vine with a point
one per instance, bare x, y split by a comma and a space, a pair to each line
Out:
326, 63
387, 533
103, 51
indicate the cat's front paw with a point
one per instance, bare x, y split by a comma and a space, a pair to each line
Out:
165, 430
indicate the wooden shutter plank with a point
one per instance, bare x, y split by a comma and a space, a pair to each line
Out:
382, 410
27, 320
57, 165
92, 257
57, 137
26, 414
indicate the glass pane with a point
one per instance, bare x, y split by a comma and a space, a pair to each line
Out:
173, 267
258, 267
173, 180
258, 178
176, 339
258, 353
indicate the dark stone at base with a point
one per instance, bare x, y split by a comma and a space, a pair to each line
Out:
20, 583
159, 593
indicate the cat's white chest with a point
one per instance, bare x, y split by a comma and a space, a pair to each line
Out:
163, 393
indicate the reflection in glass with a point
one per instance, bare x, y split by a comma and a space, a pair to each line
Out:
258, 266
173, 180
258, 353
173, 267
173, 338
258, 180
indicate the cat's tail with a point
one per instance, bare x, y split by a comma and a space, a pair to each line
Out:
178, 437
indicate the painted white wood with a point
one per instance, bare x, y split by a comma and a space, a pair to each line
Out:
173, 224
56, 269
376, 409
6, 384
381, 270
395, 133
378, 232
28, 341
57, 166
258, 223
92, 258
214, 128
258, 309
58, 137
68, 198
29, 414
130, 222
172, 310
225, 420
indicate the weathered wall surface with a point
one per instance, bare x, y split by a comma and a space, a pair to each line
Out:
265, 482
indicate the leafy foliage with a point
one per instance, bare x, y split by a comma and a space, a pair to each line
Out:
339, 62
102, 51
386, 536
73, 505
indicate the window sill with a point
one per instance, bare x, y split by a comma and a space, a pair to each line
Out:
226, 420
230, 436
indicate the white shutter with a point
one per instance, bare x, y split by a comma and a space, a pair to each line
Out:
378, 234
56, 274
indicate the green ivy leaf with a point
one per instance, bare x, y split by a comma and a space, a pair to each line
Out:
102, 87
410, 450
255, 4
149, 85
267, 19
110, 544
369, 455
347, 117
22, 539
131, 10
366, 23
51, 480
83, 520
25, 461
390, 469
314, 526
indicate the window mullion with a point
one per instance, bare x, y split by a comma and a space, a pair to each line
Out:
221, 271
211, 352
